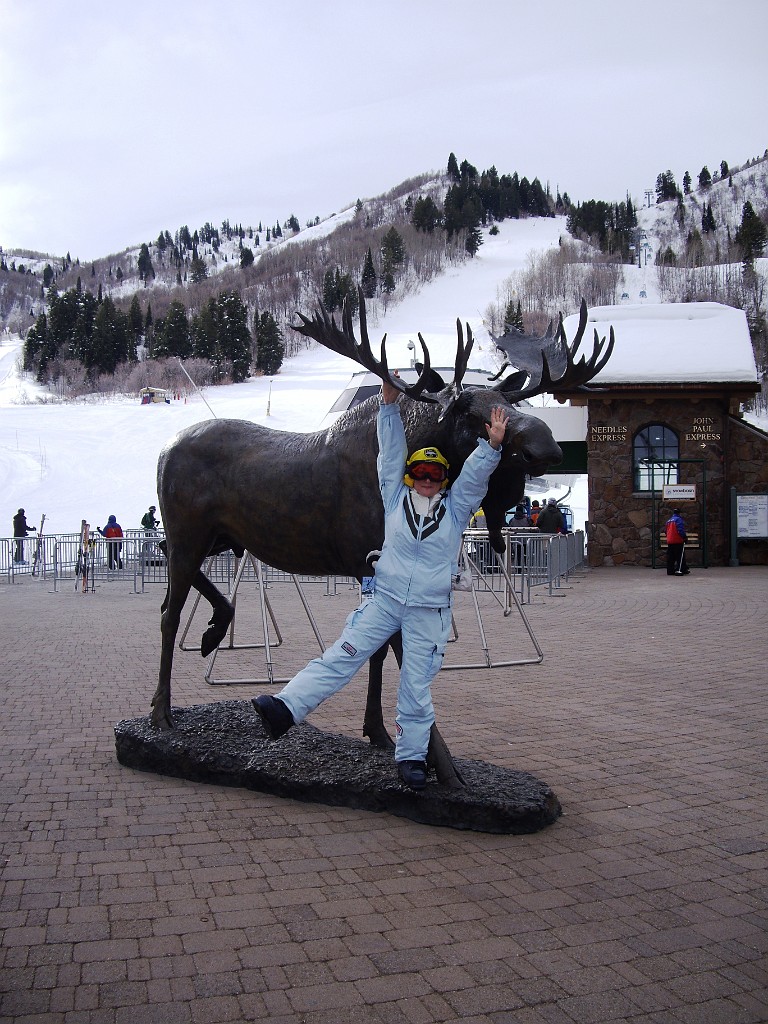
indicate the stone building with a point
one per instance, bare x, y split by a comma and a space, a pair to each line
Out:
666, 431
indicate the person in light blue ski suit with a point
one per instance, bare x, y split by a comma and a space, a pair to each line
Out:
423, 526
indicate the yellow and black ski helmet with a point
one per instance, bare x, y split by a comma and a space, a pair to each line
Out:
422, 457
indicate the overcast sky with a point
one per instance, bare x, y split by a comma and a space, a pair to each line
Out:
118, 121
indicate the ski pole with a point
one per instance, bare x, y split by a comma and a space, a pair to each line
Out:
679, 570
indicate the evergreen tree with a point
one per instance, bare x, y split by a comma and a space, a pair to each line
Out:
687, 183
198, 269
331, 299
453, 168
135, 318
233, 336
35, 343
246, 257
204, 330
145, 268
473, 241
513, 316
173, 338
705, 178
467, 172
48, 275
110, 344
708, 220
269, 344
666, 187
751, 235
368, 279
387, 281
392, 255
426, 215
724, 169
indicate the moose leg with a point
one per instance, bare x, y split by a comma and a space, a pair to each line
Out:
223, 610
169, 627
182, 572
439, 758
223, 613
373, 722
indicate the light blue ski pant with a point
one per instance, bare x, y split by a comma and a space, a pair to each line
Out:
425, 634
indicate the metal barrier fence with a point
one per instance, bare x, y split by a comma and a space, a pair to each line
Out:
531, 560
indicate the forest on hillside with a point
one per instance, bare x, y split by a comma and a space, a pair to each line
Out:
221, 298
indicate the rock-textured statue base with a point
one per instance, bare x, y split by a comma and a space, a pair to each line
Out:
225, 744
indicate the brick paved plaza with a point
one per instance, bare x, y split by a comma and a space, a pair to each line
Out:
131, 898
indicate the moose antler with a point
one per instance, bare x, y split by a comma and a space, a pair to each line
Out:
547, 364
324, 329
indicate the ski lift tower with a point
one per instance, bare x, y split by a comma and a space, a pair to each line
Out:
649, 194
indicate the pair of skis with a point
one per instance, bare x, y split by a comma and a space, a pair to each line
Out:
39, 549
83, 557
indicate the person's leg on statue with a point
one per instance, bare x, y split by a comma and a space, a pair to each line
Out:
425, 634
366, 629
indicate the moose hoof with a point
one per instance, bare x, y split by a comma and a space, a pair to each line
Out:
217, 629
379, 737
161, 718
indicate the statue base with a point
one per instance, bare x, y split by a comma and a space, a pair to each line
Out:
225, 744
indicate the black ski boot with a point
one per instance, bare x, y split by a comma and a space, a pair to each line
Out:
275, 716
413, 773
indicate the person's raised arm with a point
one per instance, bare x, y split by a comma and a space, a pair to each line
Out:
389, 394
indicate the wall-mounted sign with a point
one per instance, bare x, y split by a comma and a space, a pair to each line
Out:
704, 429
679, 492
608, 434
751, 515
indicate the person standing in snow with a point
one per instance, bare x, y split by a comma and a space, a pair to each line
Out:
148, 521
112, 531
20, 531
423, 527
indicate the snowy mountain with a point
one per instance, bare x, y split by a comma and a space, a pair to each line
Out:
97, 456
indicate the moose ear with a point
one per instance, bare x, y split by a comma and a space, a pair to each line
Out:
433, 381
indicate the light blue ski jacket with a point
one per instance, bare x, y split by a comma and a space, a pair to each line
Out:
420, 552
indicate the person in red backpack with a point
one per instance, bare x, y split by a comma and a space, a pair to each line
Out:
676, 538
112, 531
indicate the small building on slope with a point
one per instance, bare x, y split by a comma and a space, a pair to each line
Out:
666, 431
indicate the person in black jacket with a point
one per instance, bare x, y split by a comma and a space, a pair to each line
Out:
551, 519
20, 531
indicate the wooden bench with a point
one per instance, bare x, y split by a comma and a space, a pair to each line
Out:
691, 542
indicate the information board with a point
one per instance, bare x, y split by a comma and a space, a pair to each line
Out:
751, 516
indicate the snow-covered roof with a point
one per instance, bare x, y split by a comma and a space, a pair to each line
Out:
672, 343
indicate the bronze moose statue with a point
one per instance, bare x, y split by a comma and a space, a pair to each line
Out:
309, 503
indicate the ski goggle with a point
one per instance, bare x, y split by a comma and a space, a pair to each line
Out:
427, 471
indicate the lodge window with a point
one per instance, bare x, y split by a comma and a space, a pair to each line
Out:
652, 446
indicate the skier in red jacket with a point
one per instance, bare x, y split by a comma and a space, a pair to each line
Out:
112, 531
676, 538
